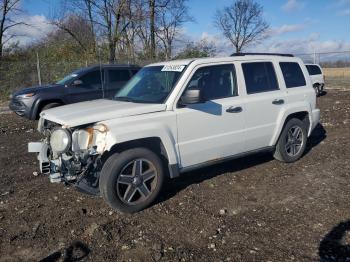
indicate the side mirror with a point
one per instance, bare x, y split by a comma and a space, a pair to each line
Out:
191, 96
77, 82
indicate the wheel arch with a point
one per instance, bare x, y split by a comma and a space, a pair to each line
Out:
301, 113
154, 143
43, 102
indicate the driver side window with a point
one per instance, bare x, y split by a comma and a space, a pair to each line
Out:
215, 82
92, 79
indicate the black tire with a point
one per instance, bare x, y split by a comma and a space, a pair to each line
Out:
284, 147
111, 188
50, 105
317, 90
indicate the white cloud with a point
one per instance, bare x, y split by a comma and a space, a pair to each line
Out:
293, 5
36, 27
222, 45
345, 12
275, 31
305, 47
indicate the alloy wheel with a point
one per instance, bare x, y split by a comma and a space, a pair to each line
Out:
136, 181
294, 141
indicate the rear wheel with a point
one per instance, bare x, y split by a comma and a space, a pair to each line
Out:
317, 89
292, 142
130, 181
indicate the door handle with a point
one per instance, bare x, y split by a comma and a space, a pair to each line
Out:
232, 109
278, 102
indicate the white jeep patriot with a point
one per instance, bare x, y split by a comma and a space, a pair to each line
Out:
176, 116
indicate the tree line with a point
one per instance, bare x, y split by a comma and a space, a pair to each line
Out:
134, 30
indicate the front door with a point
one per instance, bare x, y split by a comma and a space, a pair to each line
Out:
90, 87
213, 129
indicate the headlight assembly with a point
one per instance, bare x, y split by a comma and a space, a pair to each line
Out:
25, 95
60, 140
83, 139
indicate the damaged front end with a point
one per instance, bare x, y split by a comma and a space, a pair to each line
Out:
71, 155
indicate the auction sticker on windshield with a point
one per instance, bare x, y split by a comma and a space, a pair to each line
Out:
173, 68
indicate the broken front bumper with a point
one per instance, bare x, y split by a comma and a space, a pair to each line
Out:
46, 166
57, 170
41, 149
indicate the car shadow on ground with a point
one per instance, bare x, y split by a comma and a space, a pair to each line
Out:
318, 135
174, 186
323, 93
77, 251
332, 248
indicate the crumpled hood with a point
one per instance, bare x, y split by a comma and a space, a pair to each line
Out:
96, 111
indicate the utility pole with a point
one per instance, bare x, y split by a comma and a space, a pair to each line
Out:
314, 56
38, 68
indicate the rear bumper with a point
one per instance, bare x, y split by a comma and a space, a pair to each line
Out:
315, 119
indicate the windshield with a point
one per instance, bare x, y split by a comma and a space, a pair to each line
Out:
151, 84
67, 79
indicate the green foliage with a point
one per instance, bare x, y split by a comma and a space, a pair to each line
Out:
197, 50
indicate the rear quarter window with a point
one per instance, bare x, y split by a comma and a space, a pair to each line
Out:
313, 70
293, 75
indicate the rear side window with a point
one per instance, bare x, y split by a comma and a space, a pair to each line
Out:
313, 70
293, 75
120, 75
259, 77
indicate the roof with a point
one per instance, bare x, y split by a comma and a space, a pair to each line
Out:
244, 57
112, 66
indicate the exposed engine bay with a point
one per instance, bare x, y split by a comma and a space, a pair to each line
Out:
71, 155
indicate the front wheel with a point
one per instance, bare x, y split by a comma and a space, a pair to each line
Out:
130, 181
292, 141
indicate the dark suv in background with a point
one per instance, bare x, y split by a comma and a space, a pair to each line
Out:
85, 84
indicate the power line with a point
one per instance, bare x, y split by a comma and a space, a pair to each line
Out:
325, 53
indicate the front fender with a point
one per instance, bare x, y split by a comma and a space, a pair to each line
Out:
132, 132
287, 111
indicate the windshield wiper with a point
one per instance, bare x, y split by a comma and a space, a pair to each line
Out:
124, 98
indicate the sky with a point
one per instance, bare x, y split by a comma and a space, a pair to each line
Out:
296, 26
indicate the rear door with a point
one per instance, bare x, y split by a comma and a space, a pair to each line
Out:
264, 100
116, 79
297, 86
89, 89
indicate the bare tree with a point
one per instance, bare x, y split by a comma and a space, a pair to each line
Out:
112, 22
7, 9
172, 16
78, 29
242, 23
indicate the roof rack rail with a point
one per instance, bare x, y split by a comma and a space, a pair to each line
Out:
275, 54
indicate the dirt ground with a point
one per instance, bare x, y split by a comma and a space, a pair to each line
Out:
251, 209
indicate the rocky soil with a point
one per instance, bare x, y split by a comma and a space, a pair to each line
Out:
251, 209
